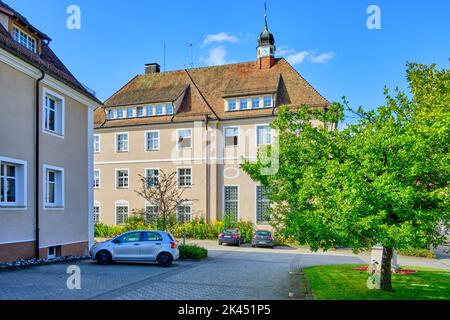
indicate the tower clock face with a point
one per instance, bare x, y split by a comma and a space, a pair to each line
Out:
265, 51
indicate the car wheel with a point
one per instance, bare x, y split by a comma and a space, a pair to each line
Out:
103, 257
238, 243
220, 243
253, 246
164, 259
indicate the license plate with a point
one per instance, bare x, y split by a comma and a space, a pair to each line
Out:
227, 236
261, 242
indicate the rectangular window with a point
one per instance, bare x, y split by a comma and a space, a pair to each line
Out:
231, 201
122, 179
96, 143
263, 135
53, 113
149, 111
159, 110
12, 182
152, 178
96, 178
231, 104
169, 108
267, 102
262, 205
231, 136
184, 213
140, 111
121, 214
184, 138
96, 214
152, 140
111, 114
255, 103
184, 177
119, 113
54, 187
122, 142
151, 214
24, 39
243, 104
130, 112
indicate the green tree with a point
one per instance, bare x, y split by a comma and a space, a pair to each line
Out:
385, 179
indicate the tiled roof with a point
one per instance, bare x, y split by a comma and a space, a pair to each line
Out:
46, 60
206, 89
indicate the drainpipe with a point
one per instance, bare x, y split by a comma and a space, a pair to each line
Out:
208, 173
37, 163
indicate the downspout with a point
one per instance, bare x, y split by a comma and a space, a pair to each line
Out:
208, 173
37, 163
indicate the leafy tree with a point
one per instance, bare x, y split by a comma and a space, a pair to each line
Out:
385, 179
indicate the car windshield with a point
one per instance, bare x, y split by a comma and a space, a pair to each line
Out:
231, 231
263, 233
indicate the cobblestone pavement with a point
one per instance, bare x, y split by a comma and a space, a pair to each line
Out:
228, 273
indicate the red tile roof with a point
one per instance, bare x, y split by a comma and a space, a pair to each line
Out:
206, 89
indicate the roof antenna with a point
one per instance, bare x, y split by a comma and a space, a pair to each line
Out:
191, 45
164, 56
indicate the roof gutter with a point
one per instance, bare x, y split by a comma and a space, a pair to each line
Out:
37, 163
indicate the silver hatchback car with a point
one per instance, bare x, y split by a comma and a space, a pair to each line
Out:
137, 246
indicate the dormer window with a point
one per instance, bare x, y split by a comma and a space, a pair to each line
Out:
169, 108
231, 105
140, 111
255, 103
159, 110
24, 39
110, 114
130, 112
243, 104
149, 111
119, 113
267, 102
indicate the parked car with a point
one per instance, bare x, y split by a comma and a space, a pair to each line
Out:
263, 238
232, 236
138, 246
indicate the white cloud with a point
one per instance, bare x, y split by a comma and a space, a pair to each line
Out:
216, 56
220, 38
297, 57
323, 57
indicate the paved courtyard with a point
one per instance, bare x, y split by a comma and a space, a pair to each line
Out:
228, 273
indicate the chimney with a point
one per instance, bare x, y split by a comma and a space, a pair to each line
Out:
266, 62
152, 68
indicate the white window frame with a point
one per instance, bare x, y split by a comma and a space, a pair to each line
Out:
256, 206
114, 113
122, 111
58, 116
240, 107
146, 140
178, 177
143, 112
187, 204
99, 179
256, 134
163, 109
121, 203
28, 37
59, 204
264, 102
171, 106
225, 136
99, 206
238, 199
235, 104
97, 143
251, 102
116, 180
178, 138
116, 145
146, 174
133, 112
151, 205
148, 107
21, 189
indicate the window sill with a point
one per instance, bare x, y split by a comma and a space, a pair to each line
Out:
118, 151
54, 133
6, 207
47, 207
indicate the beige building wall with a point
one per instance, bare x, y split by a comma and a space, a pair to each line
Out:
224, 166
67, 228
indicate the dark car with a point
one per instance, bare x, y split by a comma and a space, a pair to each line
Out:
263, 238
232, 236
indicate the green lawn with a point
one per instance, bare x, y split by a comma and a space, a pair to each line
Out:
340, 282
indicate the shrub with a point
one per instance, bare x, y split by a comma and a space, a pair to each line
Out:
104, 231
417, 252
195, 252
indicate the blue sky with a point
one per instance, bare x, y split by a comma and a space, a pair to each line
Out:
327, 41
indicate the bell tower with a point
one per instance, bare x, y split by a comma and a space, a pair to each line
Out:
266, 47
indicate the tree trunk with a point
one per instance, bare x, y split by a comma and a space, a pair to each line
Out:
386, 269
